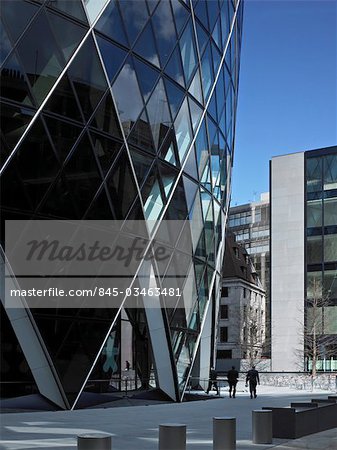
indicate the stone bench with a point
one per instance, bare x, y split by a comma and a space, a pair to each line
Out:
303, 418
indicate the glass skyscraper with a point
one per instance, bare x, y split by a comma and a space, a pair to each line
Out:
118, 110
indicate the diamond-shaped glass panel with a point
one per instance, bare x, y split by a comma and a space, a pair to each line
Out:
110, 23
159, 114
40, 57
188, 54
145, 46
63, 100
174, 67
16, 16
183, 130
88, 77
134, 15
164, 30
112, 56
129, 106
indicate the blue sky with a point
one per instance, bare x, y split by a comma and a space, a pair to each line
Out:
288, 88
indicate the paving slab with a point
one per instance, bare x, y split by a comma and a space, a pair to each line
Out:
136, 428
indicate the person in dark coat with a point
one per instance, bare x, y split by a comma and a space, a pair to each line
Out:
232, 377
213, 381
253, 379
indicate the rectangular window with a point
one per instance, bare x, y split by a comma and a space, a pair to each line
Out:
244, 293
224, 292
223, 334
224, 354
223, 311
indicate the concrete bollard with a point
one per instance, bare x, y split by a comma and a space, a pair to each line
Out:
172, 436
224, 433
94, 442
262, 424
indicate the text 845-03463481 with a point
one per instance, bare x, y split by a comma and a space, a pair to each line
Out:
151, 292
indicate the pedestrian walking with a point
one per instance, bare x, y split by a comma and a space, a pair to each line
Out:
213, 381
232, 377
253, 379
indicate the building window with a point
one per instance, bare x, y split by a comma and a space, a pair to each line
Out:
223, 334
224, 354
224, 292
223, 311
244, 292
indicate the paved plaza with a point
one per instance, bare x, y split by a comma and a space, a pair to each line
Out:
136, 428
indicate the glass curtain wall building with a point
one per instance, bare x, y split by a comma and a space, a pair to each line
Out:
119, 110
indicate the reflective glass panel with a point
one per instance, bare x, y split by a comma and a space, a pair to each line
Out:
202, 38
175, 97
105, 150
100, 208
196, 113
330, 283
183, 130
70, 7
164, 30
40, 57
105, 117
14, 121
112, 56
36, 162
14, 85
195, 88
314, 213
207, 71
153, 196
110, 23
201, 146
180, 14
68, 34
190, 166
330, 172
129, 106
82, 174
6, 45
314, 174
134, 15
121, 187
16, 16
330, 248
188, 54
141, 134
213, 11
159, 114
330, 211
59, 202
145, 46
63, 101
88, 77
314, 249
141, 164
94, 7
201, 12
174, 67
63, 136
169, 150
147, 77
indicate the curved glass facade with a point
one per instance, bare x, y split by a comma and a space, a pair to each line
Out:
122, 110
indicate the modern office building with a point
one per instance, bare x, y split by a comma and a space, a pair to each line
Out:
119, 110
250, 223
304, 260
242, 330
